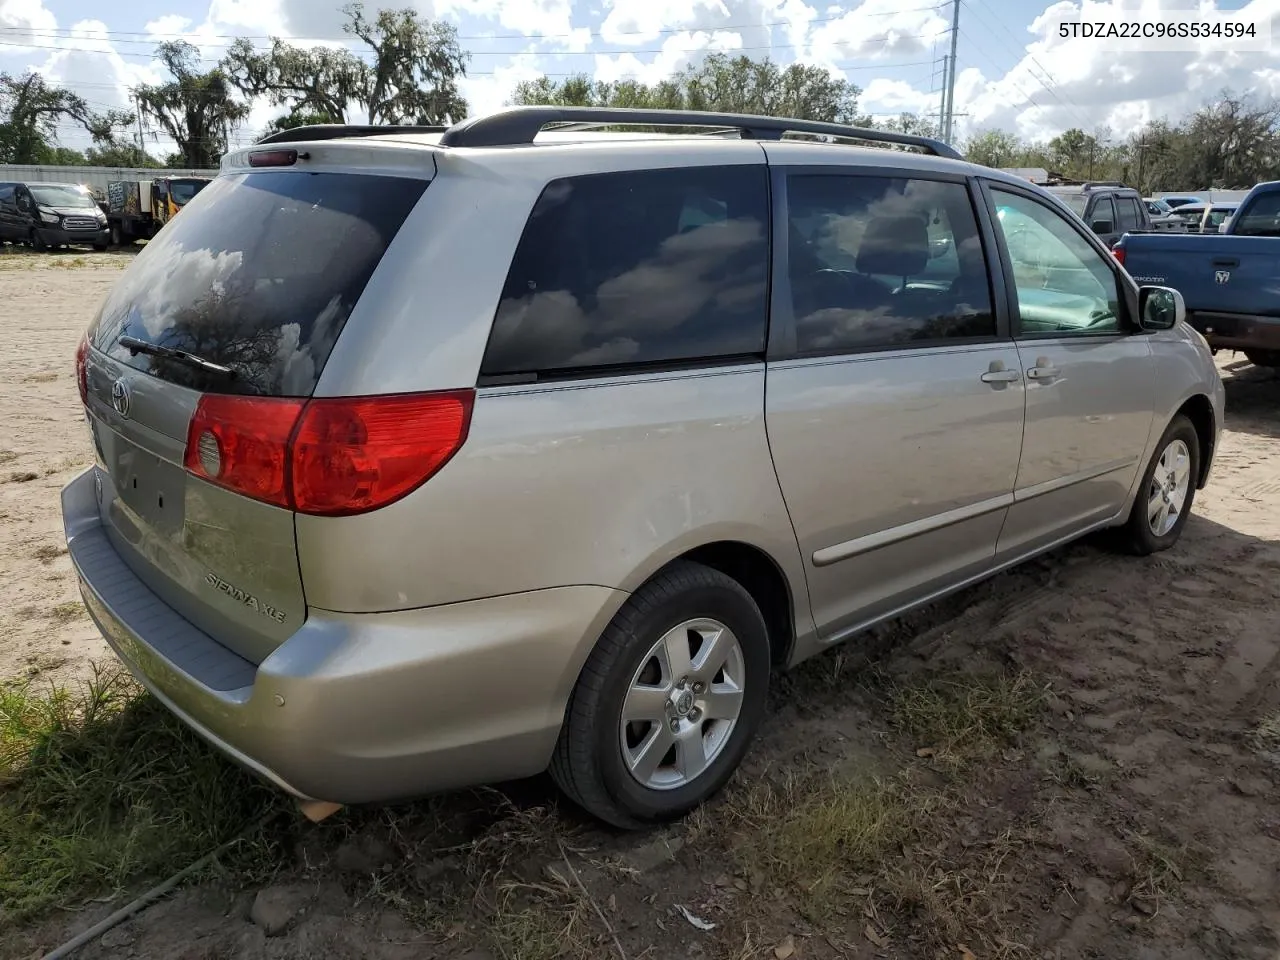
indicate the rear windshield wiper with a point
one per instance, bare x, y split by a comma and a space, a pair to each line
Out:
136, 346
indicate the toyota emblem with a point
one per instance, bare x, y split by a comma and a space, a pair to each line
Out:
120, 397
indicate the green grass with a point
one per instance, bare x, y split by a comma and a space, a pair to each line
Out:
813, 835
967, 718
102, 789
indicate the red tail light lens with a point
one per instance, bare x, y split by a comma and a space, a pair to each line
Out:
82, 369
327, 457
358, 454
1118, 253
242, 443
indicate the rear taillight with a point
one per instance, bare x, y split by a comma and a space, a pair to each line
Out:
242, 443
82, 369
1118, 253
330, 456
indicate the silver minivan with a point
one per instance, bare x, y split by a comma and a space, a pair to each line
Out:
434, 459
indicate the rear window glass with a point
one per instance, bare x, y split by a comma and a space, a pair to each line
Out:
1261, 218
642, 267
258, 273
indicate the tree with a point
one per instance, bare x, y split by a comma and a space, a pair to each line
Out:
319, 82
911, 123
120, 155
197, 110
996, 148
720, 83
416, 66
296, 118
31, 110
413, 76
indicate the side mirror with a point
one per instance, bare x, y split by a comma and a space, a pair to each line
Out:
1161, 308
1102, 226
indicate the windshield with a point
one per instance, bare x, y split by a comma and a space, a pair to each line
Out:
183, 190
1218, 215
61, 197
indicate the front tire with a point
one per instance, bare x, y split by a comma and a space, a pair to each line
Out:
669, 700
1163, 503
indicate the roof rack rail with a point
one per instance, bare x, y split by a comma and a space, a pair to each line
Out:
519, 125
1091, 184
338, 131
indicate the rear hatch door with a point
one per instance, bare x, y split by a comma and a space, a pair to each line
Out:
258, 276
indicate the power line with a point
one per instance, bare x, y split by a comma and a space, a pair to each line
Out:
1046, 83
497, 53
60, 32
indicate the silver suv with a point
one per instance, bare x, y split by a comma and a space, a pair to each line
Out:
427, 459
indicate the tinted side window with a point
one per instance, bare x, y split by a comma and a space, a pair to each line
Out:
646, 266
6, 193
1104, 209
884, 262
1127, 217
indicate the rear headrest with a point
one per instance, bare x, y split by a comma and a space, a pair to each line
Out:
894, 246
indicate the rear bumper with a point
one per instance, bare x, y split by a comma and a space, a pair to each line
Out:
355, 708
1237, 331
56, 236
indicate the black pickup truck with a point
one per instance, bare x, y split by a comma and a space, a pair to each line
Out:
1230, 280
1111, 210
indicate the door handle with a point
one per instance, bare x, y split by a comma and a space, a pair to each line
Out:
1043, 372
1001, 376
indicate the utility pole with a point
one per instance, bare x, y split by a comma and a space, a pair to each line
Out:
137, 106
949, 94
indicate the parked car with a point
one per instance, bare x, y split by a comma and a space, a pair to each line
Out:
1110, 209
1163, 218
741, 398
1229, 278
1176, 202
51, 215
1205, 217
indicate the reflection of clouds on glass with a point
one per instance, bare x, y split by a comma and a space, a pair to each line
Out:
259, 274
188, 277
300, 363
718, 267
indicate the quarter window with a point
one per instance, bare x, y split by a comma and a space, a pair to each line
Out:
1064, 286
1127, 217
881, 262
643, 267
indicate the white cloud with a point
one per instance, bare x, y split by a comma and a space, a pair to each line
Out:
878, 29
677, 51
26, 21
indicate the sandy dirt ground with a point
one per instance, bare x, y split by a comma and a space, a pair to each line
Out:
1136, 818
45, 304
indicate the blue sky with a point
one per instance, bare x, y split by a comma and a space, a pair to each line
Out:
1014, 73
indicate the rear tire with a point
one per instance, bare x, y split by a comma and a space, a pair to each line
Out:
1263, 358
1168, 489
705, 712
37, 242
